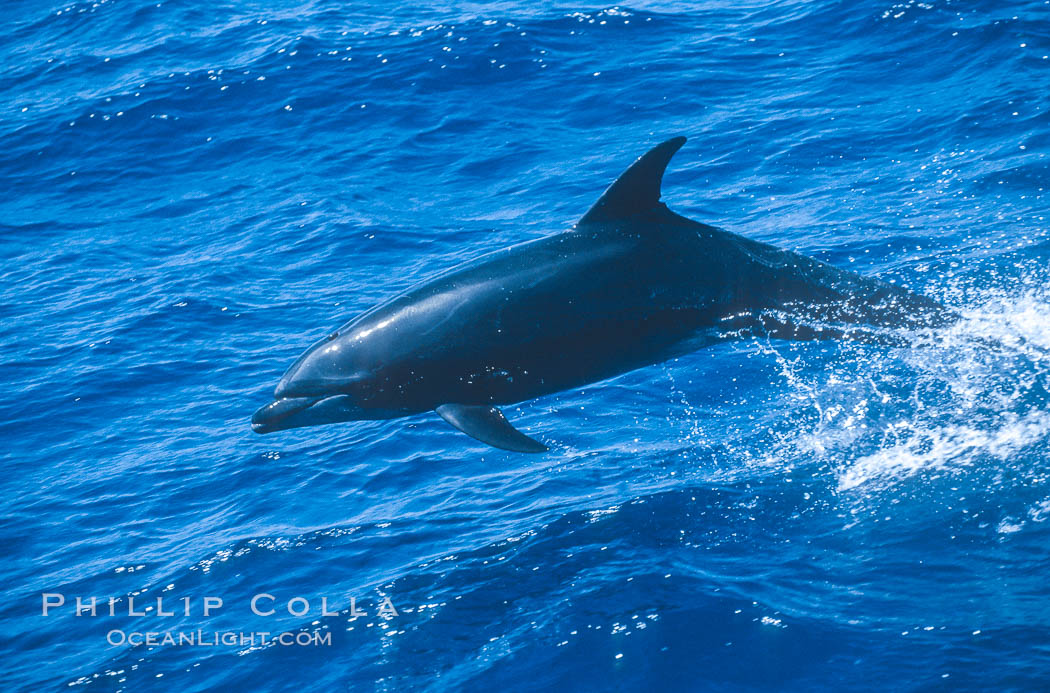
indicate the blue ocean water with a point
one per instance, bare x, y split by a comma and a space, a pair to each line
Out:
195, 192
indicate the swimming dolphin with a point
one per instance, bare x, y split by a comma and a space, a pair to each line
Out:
631, 284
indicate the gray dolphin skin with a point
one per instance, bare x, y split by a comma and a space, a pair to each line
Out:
632, 284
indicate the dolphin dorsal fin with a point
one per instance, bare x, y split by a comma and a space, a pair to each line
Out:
638, 188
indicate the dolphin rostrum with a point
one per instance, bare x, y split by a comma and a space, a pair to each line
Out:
631, 284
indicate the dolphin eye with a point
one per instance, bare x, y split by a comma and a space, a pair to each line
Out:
331, 336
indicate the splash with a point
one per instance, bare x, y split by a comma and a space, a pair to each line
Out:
973, 394
923, 448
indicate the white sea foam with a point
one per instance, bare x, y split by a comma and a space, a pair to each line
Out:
954, 444
972, 395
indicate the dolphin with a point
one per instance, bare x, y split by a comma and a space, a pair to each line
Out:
630, 285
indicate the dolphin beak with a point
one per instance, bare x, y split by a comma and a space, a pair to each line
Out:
268, 419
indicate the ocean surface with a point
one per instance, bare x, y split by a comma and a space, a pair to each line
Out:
193, 193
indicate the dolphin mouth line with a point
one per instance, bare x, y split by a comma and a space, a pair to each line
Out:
268, 418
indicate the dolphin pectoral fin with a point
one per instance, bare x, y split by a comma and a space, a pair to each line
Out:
638, 188
490, 426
